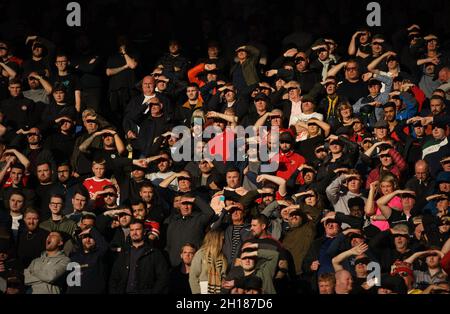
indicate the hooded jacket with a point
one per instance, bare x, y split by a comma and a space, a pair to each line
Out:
45, 273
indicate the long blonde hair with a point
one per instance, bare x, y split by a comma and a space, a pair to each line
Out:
213, 245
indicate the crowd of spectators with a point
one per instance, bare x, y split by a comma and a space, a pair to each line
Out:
358, 131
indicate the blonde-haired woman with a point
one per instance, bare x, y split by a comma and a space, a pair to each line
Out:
387, 184
209, 265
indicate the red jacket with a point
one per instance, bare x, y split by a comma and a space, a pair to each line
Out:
288, 163
399, 165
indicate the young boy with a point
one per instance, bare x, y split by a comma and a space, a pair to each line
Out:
96, 183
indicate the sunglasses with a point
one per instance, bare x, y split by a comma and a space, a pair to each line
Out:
91, 121
298, 60
110, 194
184, 178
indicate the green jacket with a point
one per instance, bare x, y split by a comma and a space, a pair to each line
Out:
249, 67
298, 240
265, 269
65, 225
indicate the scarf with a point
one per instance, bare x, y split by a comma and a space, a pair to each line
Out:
216, 269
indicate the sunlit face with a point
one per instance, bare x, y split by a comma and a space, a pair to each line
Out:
16, 203
192, 93
381, 133
16, 175
351, 71
164, 164
257, 228
436, 106
139, 211
61, 63
14, 89
230, 96
326, 287
386, 187
53, 242
185, 207
136, 232
148, 86
78, 202
401, 242
184, 182
332, 229
233, 179
307, 107
44, 173
32, 81
187, 255
146, 193
98, 170
56, 205
248, 264
389, 114
31, 221
260, 105
110, 197
331, 88
438, 133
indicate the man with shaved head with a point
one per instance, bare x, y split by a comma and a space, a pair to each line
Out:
344, 282
421, 183
139, 107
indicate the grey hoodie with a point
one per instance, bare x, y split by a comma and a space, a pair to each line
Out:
44, 271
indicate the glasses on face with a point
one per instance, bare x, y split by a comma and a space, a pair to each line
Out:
184, 178
55, 204
110, 194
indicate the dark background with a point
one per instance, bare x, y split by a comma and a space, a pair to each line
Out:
150, 24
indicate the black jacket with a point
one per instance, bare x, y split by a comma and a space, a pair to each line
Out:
152, 272
93, 277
